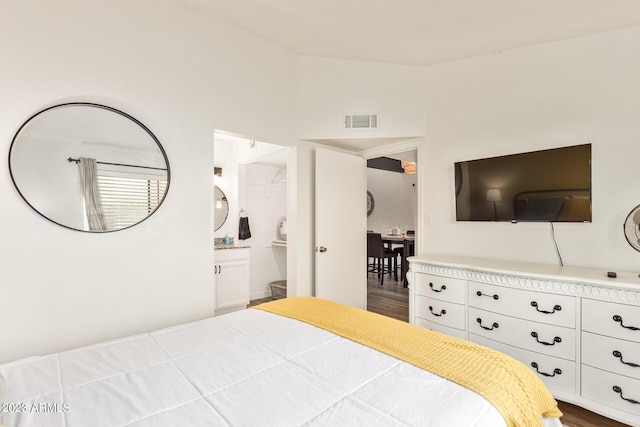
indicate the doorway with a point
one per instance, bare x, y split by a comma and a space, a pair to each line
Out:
392, 184
253, 176
392, 187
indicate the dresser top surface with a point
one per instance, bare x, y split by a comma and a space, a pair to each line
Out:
624, 280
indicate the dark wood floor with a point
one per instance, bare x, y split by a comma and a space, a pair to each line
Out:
575, 416
392, 299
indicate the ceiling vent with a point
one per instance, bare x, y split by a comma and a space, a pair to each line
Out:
361, 121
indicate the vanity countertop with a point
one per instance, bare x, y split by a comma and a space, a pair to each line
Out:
224, 247
218, 243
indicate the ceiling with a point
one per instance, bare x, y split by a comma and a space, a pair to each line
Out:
418, 32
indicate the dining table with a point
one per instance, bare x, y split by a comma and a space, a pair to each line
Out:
407, 241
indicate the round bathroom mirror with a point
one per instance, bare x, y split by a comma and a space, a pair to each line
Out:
221, 208
89, 167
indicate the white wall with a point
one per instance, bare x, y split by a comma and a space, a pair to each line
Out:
300, 220
266, 203
183, 75
330, 88
571, 92
394, 197
563, 93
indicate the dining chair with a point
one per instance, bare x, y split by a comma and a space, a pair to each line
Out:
368, 257
377, 250
400, 251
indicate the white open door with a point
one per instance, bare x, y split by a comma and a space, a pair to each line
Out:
341, 228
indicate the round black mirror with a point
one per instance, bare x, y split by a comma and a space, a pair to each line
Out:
89, 167
221, 211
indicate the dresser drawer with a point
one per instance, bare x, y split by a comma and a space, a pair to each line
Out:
551, 340
611, 354
442, 288
555, 373
610, 389
611, 319
441, 312
452, 332
541, 307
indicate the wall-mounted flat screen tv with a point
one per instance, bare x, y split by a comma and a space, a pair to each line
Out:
549, 185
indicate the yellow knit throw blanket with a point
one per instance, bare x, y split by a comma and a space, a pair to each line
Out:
508, 384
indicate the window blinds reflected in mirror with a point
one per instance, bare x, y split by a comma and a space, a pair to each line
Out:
129, 197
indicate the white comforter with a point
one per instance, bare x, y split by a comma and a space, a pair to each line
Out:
249, 368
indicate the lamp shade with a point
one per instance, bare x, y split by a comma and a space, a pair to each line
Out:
494, 195
409, 167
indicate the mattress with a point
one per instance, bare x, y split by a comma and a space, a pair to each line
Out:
248, 368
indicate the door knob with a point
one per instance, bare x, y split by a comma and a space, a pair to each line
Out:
321, 249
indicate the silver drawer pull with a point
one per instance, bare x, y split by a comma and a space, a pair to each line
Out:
555, 308
442, 288
618, 390
556, 340
494, 296
556, 371
494, 326
618, 319
617, 354
436, 314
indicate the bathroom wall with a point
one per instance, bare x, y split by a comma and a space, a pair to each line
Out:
265, 200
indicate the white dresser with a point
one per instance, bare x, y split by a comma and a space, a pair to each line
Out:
576, 328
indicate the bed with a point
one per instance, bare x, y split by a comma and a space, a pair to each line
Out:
293, 362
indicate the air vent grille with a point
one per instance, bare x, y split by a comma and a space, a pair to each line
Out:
361, 121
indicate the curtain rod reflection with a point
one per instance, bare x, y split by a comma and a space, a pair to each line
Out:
118, 164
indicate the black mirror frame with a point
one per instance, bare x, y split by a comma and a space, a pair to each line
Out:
226, 216
104, 107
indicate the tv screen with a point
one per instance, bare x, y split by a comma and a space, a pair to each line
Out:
548, 185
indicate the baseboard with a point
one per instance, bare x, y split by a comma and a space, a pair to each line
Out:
258, 295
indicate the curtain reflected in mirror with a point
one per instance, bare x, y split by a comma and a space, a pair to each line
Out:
89, 167
93, 211
220, 209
